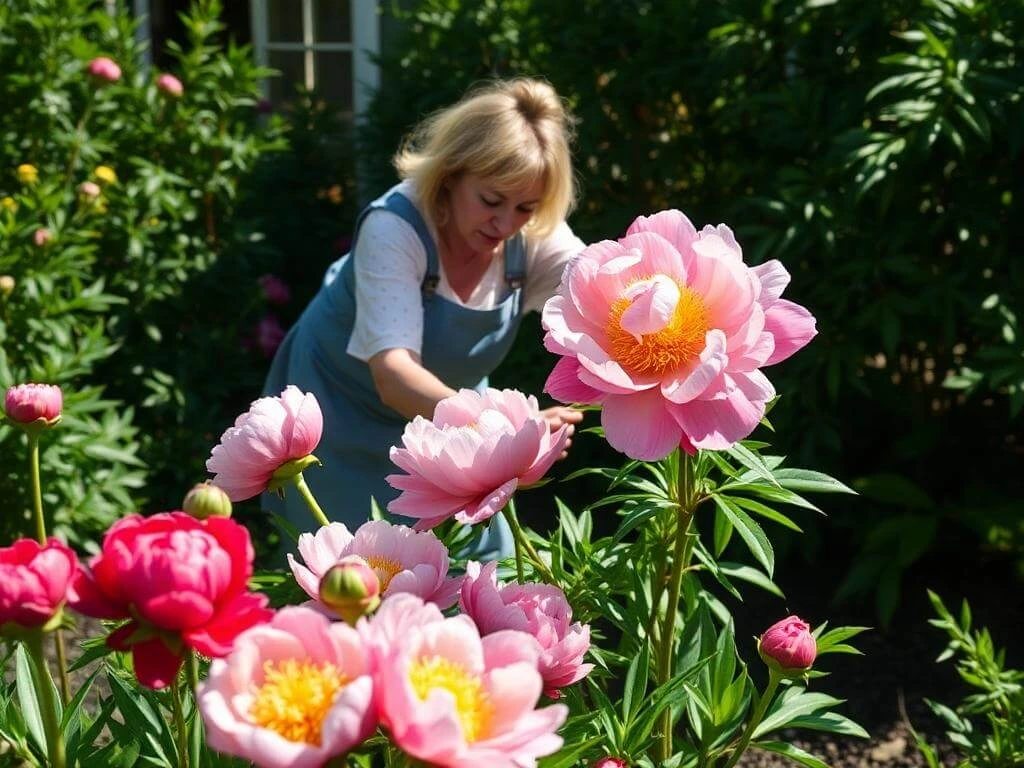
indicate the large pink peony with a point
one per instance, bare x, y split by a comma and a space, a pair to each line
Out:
182, 582
35, 582
470, 459
403, 559
275, 431
293, 693
667, 329
539, 609
450, 698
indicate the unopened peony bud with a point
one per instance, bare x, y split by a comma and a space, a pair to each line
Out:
104, 70
6, 285
788, 646
206, 500
27, 173
89, 190
611, 762
34, 406
275, 290
350, 588
170, 85
41, 236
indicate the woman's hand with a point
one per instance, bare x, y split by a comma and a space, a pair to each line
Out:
559, 415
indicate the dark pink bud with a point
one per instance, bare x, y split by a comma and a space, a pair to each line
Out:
41, 236
28, 403
170, 85
269, 335
104, 70
275, 290
610, 762
789, 645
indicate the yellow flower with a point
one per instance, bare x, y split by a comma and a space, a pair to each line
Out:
105, 174
9, 204
27, 174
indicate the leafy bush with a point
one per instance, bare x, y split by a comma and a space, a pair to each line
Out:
873, 148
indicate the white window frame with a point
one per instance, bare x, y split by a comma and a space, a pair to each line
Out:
365, 25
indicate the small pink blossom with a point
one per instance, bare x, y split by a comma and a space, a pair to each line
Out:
789, 644
403, 559
41, 237
28, 403
611, 762
89, 190
294, 693
667, 329
170, 85
104, 70
539, 609
275, 290
275, 431
269, 335
452, 699
35, 582
468, 461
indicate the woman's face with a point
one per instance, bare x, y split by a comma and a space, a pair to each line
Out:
482, 218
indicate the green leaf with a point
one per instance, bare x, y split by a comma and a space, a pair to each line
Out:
766, 512
27, 698
751, 533
753, 462
750, 575
831, 722
794, 703
569, 755
809, 481
793, 753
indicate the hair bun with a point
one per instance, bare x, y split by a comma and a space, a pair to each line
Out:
536, 100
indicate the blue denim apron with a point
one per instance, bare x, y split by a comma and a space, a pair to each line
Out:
461, 346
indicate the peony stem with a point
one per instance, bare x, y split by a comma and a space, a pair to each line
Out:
510, 512
37, 488
757, 717
62, 666
521, 541
193, 671
680, 558
47, 700
307, 494
181, 732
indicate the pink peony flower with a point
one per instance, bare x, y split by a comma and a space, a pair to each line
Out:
450, 698
667, 329
269, 335
788, 644
539, 609
403, 559
275, 431
611, 762
170, 85
275, 290
397, 616
293, 693
41, 237
29, 403
35, 582
104, 70
182, 582
470, 459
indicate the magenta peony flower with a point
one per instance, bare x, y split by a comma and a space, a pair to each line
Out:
450, 698
35, 582
170, 85
539, 609
269, 335
41, 237
788, 644
611, 762
275, 290
403, 559
274, 432
667, 329
31, 403
182, 582
470, 459
293, 693
104, 70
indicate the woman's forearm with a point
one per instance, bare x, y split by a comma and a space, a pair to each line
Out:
404, 385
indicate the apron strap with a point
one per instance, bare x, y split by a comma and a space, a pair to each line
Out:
515, 261
399, 204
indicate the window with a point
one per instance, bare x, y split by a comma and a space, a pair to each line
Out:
324, 45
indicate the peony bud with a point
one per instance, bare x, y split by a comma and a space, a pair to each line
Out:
170, 85
269, 335
788, 645
206, 500
104, 70
34, 406
89, 190
41, 236
27, 173
105, 174
350, 588
610, 762
6, 285
275, 290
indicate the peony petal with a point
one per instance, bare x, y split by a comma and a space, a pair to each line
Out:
718, 424
639, 426
792, 326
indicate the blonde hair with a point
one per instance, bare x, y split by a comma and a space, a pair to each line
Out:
509, 132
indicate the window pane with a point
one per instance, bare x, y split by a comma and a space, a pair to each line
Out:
333, 21
282, 88
284, 21
334, 78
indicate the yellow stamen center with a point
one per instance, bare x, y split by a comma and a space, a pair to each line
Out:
675, 345
472, 704
385, 568
295, 698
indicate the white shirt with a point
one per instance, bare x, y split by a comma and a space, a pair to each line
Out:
391, 262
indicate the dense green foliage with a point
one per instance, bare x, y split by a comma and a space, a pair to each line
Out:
874, 148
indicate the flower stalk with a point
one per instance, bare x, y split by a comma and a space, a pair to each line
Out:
180, 730
310, 500
774, 677
47, 700
523, 545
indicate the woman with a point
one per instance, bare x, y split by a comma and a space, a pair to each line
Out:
442, 268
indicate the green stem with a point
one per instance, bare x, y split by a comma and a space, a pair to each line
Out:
307, 494
62, 666
521, 541
193, 671
181, 732
681, 553
755, 720
47, 701
37, 488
